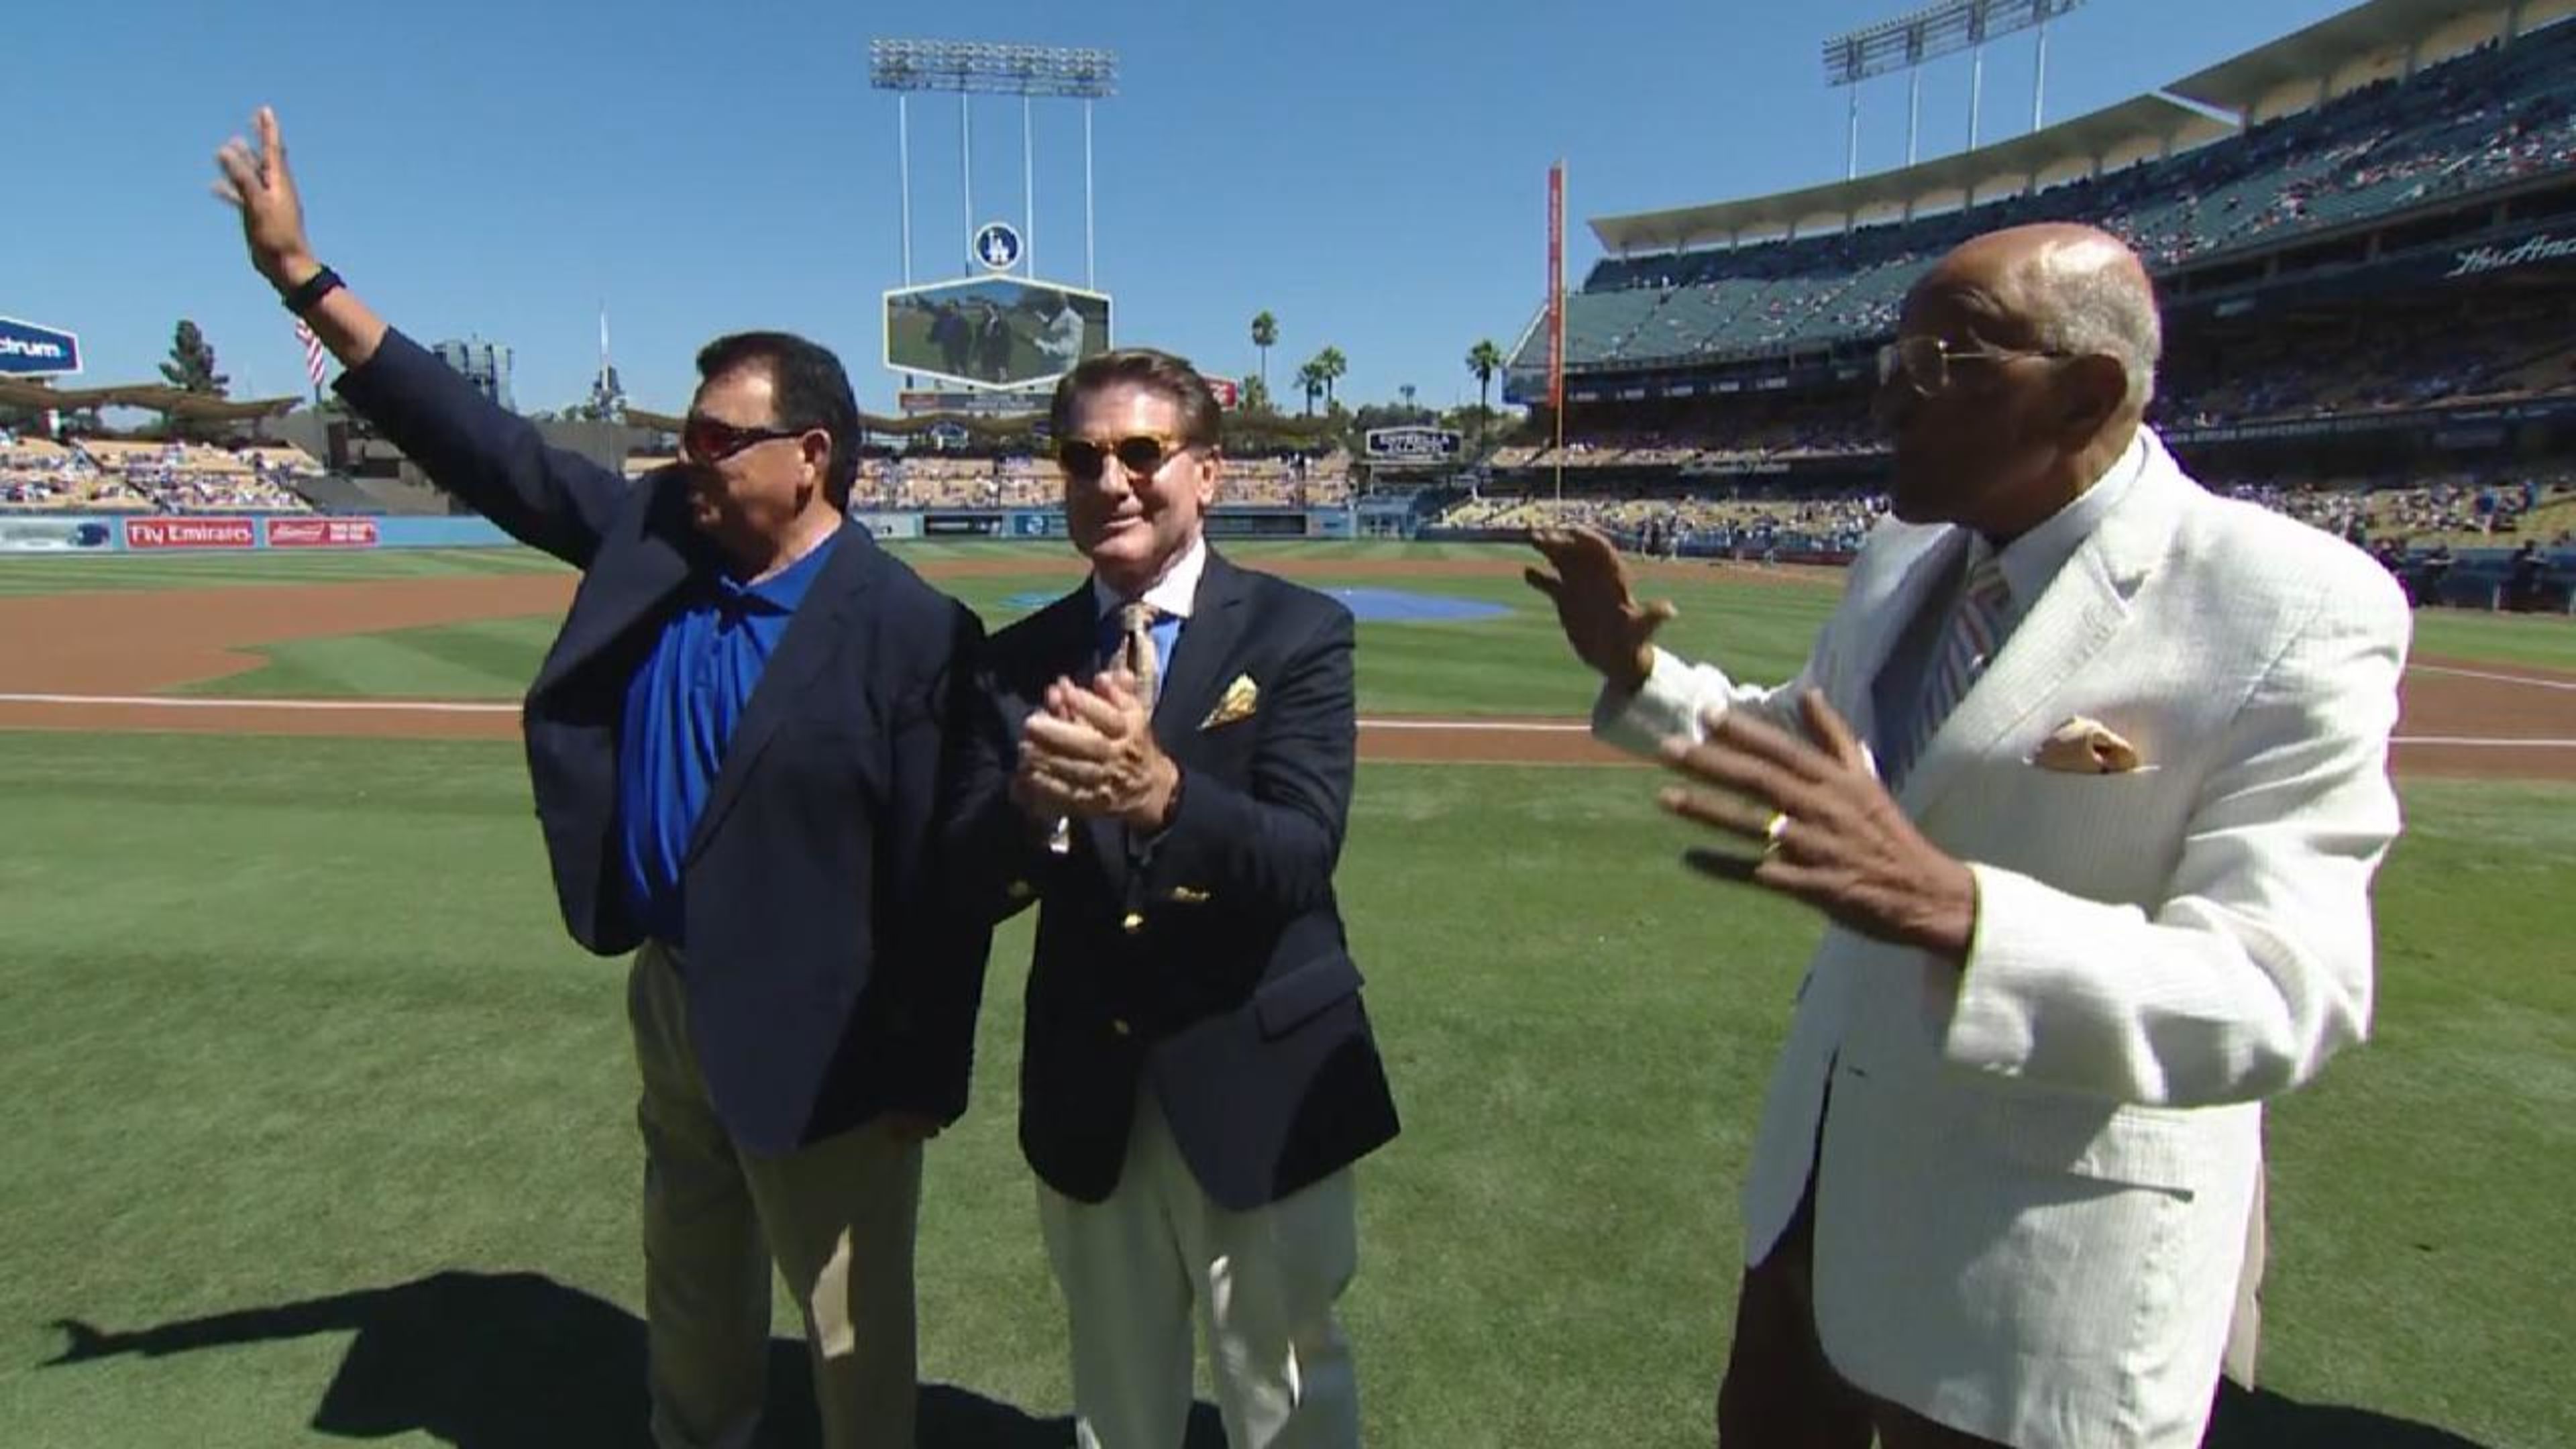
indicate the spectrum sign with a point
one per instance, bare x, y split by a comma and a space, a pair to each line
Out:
27, 350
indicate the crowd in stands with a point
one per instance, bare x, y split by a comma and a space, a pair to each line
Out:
947, 480
1707, 438
2496, 114
128, 475
2374, 361
1747, 522
2460, 507
2456, 505
2369, 359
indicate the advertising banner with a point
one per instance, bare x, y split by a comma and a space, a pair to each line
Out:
322, 533
28, 350
884, 524
54, 535
960, 525
164, 531
1413, 444
917, 403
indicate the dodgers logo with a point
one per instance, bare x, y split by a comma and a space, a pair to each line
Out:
997, 246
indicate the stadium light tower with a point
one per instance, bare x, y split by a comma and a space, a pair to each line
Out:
1906, 42
973, 68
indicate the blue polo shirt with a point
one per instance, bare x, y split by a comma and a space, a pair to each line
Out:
682, 708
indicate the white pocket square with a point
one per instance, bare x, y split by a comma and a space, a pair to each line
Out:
2086, 746
1241, 698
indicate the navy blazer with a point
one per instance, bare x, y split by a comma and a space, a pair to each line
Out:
819, 992
1208, 965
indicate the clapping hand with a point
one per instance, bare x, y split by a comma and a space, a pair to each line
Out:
1091, 752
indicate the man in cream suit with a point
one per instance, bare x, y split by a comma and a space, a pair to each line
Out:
2089, 904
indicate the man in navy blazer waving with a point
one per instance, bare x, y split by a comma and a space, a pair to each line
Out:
739, 743
1164, 767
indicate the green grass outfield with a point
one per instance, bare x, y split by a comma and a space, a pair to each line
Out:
1516, 664
292, 1019
291, 1026
1512, 665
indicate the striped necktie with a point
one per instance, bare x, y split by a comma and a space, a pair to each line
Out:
1974, 636
1136, 627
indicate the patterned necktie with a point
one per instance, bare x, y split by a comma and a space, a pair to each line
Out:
1975, 634
1135, 650
1136, 626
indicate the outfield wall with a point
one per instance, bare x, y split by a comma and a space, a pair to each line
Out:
47, 533
237, 532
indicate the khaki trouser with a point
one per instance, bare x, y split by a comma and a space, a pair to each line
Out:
837, 1218
1262, 1282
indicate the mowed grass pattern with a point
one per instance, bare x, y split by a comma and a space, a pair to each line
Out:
1516, 664
1512, 665
23, 575
293, 1018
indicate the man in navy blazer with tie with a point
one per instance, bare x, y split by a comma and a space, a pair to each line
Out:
1163, 766
739, 744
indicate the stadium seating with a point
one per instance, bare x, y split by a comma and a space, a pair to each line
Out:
949, 481
192, 478
139, 476
2490, 116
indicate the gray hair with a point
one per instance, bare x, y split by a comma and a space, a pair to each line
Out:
2092, 299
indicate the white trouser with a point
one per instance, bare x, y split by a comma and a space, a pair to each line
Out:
1132, 1269
837, 1216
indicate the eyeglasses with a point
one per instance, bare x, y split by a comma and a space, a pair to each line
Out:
1924, 362
1142, 456
705, 440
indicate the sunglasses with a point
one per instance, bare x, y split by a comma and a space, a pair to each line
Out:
705, 440
1142, 456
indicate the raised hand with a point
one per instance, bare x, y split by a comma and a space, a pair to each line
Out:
1600, 614
1828, 832
257, 183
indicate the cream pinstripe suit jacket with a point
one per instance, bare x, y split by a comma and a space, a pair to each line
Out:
2035, 1175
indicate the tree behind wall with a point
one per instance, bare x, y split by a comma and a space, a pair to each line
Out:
191, 368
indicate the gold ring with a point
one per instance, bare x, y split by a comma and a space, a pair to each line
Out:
1773, 829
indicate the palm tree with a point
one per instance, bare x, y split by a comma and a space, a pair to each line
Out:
1310, 377
1330, 364
1265, 333
1405, 391
1484, 359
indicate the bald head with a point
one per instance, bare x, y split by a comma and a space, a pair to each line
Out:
2044, 343
2065, 288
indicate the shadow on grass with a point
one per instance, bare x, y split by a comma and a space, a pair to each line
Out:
518, 1361
2262, 1419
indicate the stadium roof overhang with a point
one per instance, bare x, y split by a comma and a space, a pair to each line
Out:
2232, 86
2084, 139
152, 397
2238, 84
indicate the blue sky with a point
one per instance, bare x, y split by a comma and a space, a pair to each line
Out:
1372, 173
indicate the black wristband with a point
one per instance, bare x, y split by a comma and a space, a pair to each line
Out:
309, 295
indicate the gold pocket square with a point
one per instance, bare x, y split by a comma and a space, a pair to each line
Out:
2084, 746
1241, 698
1186, 896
